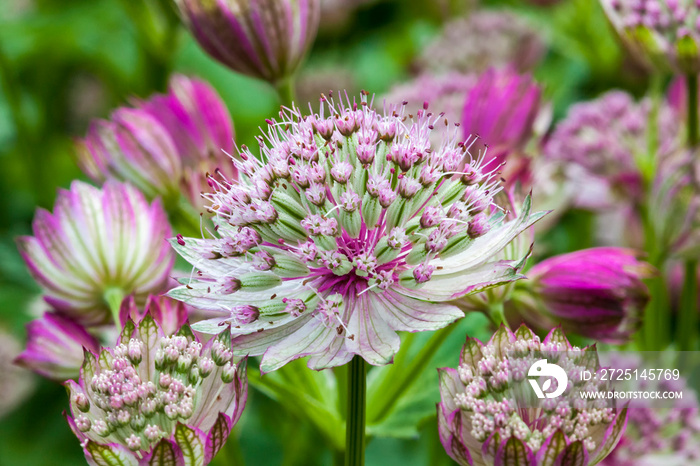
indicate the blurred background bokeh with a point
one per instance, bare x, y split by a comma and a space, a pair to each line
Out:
65, 62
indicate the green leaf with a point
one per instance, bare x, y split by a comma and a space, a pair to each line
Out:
306, 393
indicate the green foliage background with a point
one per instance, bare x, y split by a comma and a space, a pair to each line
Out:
64, 62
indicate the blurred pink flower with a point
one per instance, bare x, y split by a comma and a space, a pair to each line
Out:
501, 109
165, 145
55, 347
597, 293
265, 39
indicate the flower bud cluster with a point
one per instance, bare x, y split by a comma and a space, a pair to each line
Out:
138, 393
491, 393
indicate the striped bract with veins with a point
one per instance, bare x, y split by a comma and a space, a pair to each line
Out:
352, 227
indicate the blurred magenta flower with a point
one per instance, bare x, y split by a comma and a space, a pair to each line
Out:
488, 414
501, 109
166, 145
97, 247
157, 399
664, 32
597, 293
55, 347
265, 39
356, 226
481, 40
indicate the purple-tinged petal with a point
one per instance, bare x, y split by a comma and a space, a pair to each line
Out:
369, 335
109, 455
313, 337
55, 347
217, 437
264, 39
411, 315
551, 449
513, 452
575, 454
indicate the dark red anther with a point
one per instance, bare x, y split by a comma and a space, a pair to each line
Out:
180, 240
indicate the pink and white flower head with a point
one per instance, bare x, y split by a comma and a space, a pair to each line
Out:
489, 414
165, 145
55, 347
598, 293
98, 243
265, 39
600, 141
154, 397
482, 40
501, 108
664, 32
356, 226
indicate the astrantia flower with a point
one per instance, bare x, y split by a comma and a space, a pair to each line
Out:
601, 141
156, 399
354, 227
265, 39
597, 292
489, 414
501, 109
98, 245
481, 40
659, 432
666, 32
165, 145
55, 347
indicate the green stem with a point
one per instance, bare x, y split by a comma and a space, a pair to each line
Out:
286, 92
688, 317
114, 297
498, 314
692, 85
355, 427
